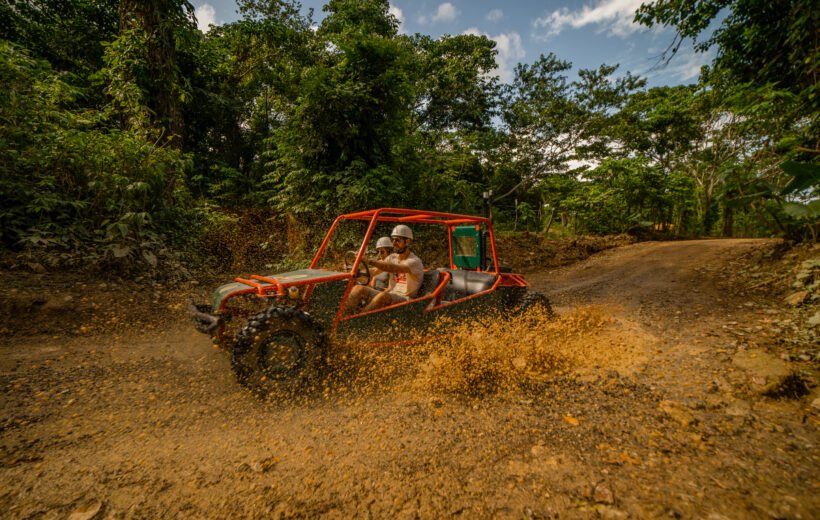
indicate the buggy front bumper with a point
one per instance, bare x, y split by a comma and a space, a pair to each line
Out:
203, 321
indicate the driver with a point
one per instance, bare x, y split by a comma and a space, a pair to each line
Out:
406, 274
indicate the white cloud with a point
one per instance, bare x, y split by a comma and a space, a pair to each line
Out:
446, 12
614, 16
205, 16
685, 65
495, 15
688, 70
395, 11
510, 52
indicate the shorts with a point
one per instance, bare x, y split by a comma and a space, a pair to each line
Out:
395, 297
398, 298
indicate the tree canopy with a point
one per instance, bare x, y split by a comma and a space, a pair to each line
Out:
125, 127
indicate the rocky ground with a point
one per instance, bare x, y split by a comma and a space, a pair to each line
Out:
679, 380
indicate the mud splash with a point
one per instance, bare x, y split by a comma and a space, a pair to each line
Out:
496, 356
508, 355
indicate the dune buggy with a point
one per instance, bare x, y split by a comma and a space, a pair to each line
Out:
278, 327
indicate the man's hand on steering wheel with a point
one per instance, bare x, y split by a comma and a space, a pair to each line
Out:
362, 275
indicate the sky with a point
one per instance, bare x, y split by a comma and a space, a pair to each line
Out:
587, 33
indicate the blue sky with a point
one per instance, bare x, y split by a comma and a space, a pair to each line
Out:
587, 33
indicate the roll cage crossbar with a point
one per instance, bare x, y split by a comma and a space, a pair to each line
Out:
398, 215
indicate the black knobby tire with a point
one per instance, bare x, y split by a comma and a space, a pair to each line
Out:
534, 300
234, 315
279, 352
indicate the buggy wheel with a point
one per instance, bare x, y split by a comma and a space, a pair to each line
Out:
279, 352
234, 315
533, 300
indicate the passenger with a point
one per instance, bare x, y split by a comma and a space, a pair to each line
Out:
381, 279
406, 274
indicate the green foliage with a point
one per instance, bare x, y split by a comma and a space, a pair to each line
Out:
804, 176
453, 87
125, 70
66, 33
660, 123
762, 42
337, 151
765, 41
141, 67
804, 184
809, 212
244, 80
625, 193
75, 194
552, 121
452, 145
117, 114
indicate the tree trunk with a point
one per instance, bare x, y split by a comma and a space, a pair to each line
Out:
681, 213
515, 224
706, 218
296, 238
156, 19
549, 222
728, 221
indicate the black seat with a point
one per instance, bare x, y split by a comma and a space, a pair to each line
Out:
428, 283
464, 283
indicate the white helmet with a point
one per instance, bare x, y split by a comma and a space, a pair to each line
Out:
384, 242
402, 231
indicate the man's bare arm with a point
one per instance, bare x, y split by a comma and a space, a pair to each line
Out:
389, 266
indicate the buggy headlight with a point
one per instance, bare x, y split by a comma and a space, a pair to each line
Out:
293, 293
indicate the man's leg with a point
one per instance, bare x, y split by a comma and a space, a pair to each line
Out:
383, 299
358, 295
380, 300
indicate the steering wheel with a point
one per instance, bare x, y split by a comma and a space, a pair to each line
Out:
350, 257
362, 275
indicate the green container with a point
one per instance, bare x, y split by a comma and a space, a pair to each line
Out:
467, 246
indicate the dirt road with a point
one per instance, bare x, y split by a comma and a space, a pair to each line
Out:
643, 400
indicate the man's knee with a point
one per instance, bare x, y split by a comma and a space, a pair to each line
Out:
383, 299
359, 295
